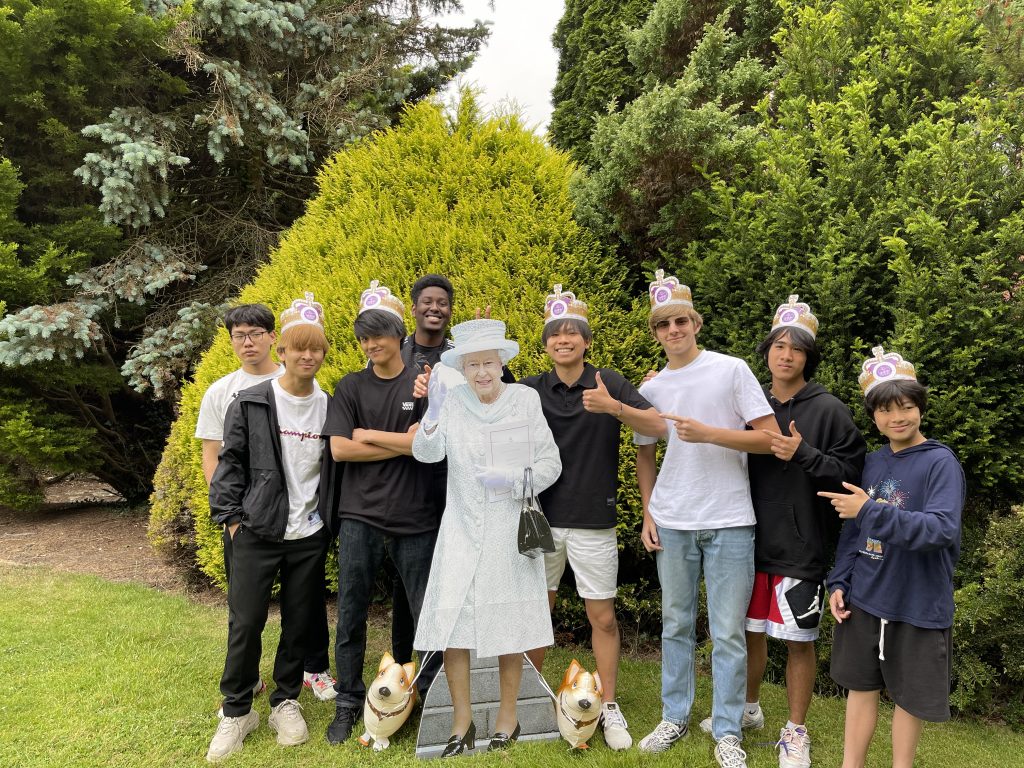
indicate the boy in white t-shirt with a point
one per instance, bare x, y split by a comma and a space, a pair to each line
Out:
697, 510
251, 328
266, 493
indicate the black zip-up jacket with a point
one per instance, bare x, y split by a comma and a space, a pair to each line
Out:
797, 530
249, 485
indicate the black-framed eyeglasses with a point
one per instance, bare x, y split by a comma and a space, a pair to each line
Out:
254, 336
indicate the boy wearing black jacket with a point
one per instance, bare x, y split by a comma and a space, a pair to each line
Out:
267, 492
817, 447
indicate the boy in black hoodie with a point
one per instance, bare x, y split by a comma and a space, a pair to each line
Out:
817, 447
892, 586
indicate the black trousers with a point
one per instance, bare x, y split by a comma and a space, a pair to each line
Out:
361, 552
318, 639
255, 564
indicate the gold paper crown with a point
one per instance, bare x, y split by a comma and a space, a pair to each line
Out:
666, 291
379, 297
563, 305
797, 314
882, 367
303, 312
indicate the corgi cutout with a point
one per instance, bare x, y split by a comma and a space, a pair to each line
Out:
578, 705
389, 701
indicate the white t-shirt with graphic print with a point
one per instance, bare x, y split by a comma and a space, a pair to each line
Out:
703, 486
299, 421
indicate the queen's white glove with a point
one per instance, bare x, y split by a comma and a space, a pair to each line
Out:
437, 391
497, 478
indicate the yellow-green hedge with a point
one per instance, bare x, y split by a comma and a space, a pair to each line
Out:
483, 201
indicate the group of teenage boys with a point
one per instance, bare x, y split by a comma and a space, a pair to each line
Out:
750, 494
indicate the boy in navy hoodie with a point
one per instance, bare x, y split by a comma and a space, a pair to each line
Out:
892, 585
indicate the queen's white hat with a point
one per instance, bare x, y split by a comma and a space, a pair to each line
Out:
479, 336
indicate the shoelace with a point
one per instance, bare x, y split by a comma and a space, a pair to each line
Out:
288, 708
666, 732
613, 718
227, 725
793, 739
731, 754
321, 680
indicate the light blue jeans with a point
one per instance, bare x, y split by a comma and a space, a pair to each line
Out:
727, 556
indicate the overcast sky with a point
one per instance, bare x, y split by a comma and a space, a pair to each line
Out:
517, 64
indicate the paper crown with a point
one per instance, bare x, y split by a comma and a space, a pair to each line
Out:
379, 297
303, 312
797, 314
666, 291
882, 367
563, 305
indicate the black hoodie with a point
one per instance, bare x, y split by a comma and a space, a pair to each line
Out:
796, 529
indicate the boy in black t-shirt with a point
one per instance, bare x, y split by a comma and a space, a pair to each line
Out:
387, 506
585, 408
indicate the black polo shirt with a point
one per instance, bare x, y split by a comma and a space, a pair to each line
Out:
588, 443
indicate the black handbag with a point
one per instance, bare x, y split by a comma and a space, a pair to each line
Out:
534, 532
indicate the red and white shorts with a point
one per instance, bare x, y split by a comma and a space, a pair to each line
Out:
786, 608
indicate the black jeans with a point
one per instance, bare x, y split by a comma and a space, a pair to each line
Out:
361, 551
317, 636
255, 563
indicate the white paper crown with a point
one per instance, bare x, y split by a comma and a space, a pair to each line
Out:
666, 291
882, 367
378, 296
303, 311
563, 305
797, 314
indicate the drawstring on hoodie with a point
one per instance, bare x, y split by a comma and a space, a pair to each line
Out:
881, 638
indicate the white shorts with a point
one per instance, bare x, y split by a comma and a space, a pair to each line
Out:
594, 557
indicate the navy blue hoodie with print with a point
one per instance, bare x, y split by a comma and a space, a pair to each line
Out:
895, 560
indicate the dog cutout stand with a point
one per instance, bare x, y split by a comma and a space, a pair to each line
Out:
389, 702
536, 715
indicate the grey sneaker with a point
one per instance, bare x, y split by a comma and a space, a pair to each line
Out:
286, 721
662, 737
729, 754
257, 689
615, 727
321, 683
230, 733
750, 722
794, 748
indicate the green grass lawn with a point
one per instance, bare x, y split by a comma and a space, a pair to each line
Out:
102, 674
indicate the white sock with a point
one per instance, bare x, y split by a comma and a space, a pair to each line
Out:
793, 726
752, 707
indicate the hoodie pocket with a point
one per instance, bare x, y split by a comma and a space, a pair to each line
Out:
778, 538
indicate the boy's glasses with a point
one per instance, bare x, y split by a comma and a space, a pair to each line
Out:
678, 322
253, 336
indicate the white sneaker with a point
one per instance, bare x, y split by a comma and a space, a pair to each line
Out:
615, 728
257, 689
230, 733
321, 683
662, 737
729, 754
286, 721
749, 722
794, 748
